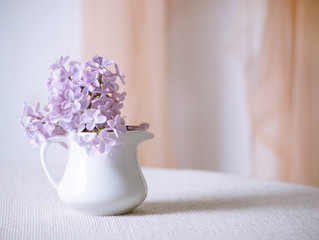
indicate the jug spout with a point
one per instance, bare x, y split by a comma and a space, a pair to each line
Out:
142, 136
136, 136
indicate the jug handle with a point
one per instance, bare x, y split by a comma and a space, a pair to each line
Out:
44, 150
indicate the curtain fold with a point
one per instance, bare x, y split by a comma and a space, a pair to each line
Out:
283, 94
134, 34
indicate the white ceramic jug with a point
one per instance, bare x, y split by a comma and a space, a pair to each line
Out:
106, 184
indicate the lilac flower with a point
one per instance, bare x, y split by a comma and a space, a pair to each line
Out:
84, 104
108, 106
119, 96
56, 88
86, 143
113, 87
119, 73
33, 133
60, 62
109, 83
106, 110
83, 97
47, 127
78, 125
58, 131
117, 125
72, 99
77, 71
92, 78
75, 124
91, 117
103, 142
32, 111
56, 116
108, 79
101, 61
62, 118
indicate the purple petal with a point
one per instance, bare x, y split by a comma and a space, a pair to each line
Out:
54, 117
81, 127
68, 94
118, 120
120, 74
103, 134
84, 103
116, 67
41, 138
90, 126
117, 133
85, 91
110, 141
113, 87
122, 79
102, 147
54, 66
67, 117
122, 96
85, 119
111, 123
93, 112
120, 106
76, 106
78, 96
144, 126
122, 128
89, 151
63, 124
100, 119
96, 140
65, 104
90, 112
108, 62
63, 60
36, 106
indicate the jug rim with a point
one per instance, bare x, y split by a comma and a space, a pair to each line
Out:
110, 132
75, 135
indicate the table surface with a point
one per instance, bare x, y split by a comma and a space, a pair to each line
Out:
181, 204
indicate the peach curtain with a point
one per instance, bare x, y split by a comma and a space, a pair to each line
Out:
134, 34
283, 94
281, 44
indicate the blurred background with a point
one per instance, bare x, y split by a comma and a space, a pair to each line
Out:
230, 86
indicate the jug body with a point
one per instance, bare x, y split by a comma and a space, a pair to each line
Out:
105, 184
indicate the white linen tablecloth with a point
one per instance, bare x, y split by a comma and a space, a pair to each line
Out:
181, 204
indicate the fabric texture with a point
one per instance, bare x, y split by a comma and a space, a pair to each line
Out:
181, 204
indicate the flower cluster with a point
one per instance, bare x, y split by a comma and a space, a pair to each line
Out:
83, 98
